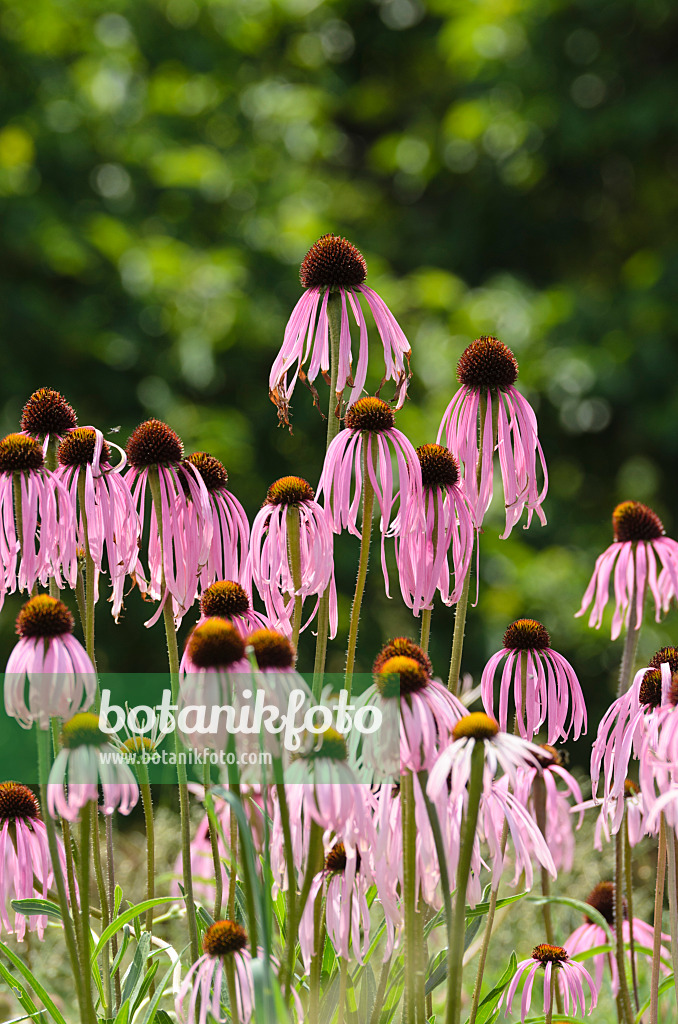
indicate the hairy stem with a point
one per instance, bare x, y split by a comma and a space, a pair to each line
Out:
67, 920
85, 829
105, 916
539, 792
365, 537
381, 991
625, 998
173, 658
673, 900
628, 873
334, 307
456, 950
657, 923
412, 1012
294, 557
292, 923
110, 868
147, 801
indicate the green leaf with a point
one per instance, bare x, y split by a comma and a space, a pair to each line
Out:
37, 907
483, 908
151, 1015
122, 1016
368, 994
39, 989
129, 915
134, 976
145, 986
488, 1006
20, 993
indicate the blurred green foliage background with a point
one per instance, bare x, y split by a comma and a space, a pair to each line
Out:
506, 166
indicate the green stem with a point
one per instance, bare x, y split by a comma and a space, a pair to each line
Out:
494, 894
630, 646
628, 871
314, 864
548, 1017
233, 829
625, 998
147, 801
456, 949
365, 537
292, 923
458, 637
214, 842
657, 923
173, 658
539, 792
229, 968
334, 308
375, 1016
425, 629
673, 901
343, 986
462, 604
411, 1012
248, 882
85, 829
110, 871
294, 557
319, 936
67, 920
105, 916
90, 576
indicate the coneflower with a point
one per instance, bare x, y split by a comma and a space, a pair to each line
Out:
640, 542
333, 266
487, 372
48, 674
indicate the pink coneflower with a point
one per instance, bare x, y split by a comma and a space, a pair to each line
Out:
276, 674
364, 448
176, 559
551, 686
624, 725
551, 808
418, 714
214, 674
322, 786
202, 986
590, 935
570, 977
49, 674
290, 516
452, 770
47, 415
423, 554
230, 527
86, 761
333, 265
611, 811
500, 807
639, 541
226, 599
344, 881
36, 527
25, 862
487, 372
112, 522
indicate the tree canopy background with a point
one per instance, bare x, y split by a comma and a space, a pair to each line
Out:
506, 166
